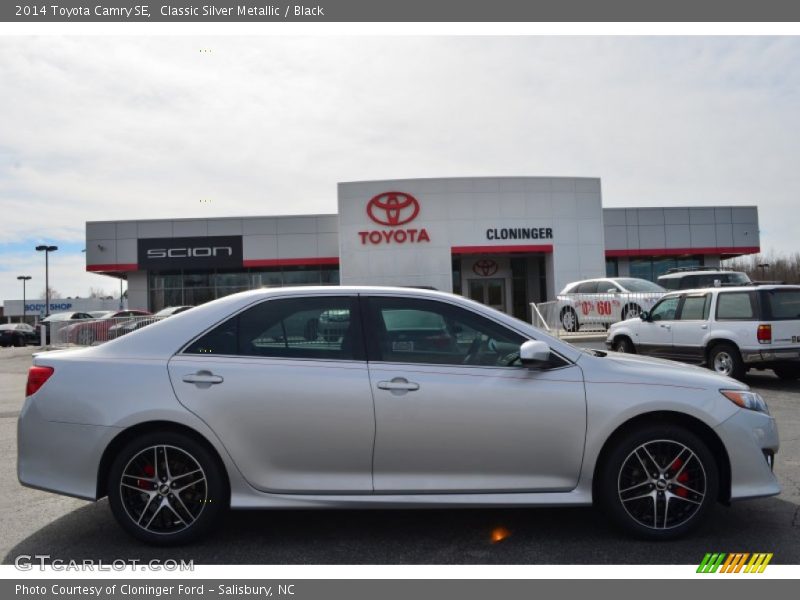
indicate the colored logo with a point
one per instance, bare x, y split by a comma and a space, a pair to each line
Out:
393, 208
735, 562
485, 267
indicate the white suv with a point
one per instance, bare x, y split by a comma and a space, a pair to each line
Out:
730, 330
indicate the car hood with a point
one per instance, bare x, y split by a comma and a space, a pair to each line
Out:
659, 371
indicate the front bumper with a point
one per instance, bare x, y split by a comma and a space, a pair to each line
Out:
751, 439
59, 457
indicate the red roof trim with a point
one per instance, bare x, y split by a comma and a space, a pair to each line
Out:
734, 250
288, 262
113, 268
500, 249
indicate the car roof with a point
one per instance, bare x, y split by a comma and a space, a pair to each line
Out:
733, 288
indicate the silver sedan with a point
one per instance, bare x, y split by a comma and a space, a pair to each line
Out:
415, 399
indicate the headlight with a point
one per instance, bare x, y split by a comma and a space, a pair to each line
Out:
749, 400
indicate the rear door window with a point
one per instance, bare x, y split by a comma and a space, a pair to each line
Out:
735, 306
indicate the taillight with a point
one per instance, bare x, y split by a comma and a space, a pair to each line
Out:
764, 334
37, 377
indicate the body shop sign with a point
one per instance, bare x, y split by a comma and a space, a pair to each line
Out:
223, 251
393, 211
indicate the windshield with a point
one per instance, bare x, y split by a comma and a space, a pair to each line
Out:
640, 285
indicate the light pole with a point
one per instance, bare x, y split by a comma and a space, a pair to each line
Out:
47, 250
24, 279
763, 267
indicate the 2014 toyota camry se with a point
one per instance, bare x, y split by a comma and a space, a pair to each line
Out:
414, 399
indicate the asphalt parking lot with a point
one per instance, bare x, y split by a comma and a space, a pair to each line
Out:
68, 529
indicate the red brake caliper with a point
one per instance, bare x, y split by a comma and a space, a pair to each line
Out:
682, 478
149, 471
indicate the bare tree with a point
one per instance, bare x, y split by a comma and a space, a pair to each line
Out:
769, 266
54, 294
97, 293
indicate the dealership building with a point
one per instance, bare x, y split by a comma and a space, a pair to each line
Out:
504, 241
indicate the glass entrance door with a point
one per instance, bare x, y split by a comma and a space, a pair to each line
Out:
491, 292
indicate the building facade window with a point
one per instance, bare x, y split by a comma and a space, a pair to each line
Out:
183, 287
652, 267
612, 267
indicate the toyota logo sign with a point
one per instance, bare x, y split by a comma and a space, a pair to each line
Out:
393, 208
485, 267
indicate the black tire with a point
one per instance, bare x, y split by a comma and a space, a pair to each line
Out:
199, 507
624, 345
18, 342
788, 372
725, 359
569, 320
630, 311
675, 510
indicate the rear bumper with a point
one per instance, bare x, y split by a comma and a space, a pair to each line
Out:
771, 355
750, 437
59, 457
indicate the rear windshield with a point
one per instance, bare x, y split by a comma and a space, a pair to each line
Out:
781, 305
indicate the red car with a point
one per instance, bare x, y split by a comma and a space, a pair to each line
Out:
87, 332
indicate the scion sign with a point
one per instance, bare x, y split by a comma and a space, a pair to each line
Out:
190, 252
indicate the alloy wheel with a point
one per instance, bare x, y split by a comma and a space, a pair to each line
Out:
163, 489
723, 363
662, 484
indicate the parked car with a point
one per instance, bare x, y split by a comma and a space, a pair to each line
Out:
228, 406
126, 327
17, 334
98, 314
605, 300
97, 330
58, 319
691, 278
730, 330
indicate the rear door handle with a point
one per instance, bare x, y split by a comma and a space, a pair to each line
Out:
398, 384
667, 327
201, 377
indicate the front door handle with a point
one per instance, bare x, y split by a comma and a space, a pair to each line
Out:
398, 384
203, 377
667, 327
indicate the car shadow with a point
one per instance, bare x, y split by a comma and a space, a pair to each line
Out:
767, 381
440, 536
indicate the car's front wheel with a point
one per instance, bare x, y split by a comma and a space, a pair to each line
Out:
624, 345
166, 488
659, 482
725, 359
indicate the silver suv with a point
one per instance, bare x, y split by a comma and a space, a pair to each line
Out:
728, 329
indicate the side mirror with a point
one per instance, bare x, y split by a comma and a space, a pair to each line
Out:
644, 315
534, 353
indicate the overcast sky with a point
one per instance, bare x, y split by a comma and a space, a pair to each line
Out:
148, 127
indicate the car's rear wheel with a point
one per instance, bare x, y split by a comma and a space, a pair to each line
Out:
569, 320
166, 488
788, 372
19, 342
725, 359
659, 482
624, 346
